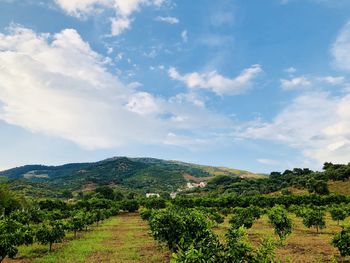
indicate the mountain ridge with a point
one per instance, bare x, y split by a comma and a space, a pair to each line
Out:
146, 173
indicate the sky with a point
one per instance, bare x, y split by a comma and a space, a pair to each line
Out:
256, 85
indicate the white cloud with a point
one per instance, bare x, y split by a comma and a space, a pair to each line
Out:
303, 83
267, 161
217, 83
295, 83
123, 10
143, 103
334, 81
341, 49
58, 86
222, 18
167, 19
119, 25
318, 124
290, 70
184, 36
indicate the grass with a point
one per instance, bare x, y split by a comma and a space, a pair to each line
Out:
124, 238
303, 245
131, 242
339, 187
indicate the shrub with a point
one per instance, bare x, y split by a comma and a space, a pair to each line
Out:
342, 242
12, 235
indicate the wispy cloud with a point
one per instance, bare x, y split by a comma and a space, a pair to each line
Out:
341, 49
167, 19
184, 36
295, 83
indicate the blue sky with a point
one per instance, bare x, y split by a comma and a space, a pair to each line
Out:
256, 85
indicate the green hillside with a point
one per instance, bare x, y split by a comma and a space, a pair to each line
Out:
146, 174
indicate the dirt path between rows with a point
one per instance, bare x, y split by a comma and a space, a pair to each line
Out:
130, 242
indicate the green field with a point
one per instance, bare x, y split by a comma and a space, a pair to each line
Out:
124, 238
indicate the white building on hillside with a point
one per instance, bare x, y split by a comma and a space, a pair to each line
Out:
152, 195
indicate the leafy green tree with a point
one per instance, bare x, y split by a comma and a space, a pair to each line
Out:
338, 214
77, 222
106, 192
12, 235
155, 203
342, 242
145, 213
129, 205
317, 186
50, 233
278, 218
180, 228
240, 219
118, 196
314, 218
245, 216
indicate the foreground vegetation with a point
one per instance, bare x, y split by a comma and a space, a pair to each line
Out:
102, 225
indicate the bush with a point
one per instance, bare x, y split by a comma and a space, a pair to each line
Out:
129, 205
12, 235
145, 213
342, 242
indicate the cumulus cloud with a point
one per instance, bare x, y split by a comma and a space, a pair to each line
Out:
217, 83
123, 10
318, 124
167, 19
58, 86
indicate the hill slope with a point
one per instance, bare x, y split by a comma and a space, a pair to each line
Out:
148, 174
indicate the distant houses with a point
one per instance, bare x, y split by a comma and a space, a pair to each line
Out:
195, 185
152, 195
188, 187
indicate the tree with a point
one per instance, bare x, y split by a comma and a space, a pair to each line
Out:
342, 242
50, 233
241, 219
314, 218
77, 222
245, 216
12, 235
105, 192
317, 186
338, 214
129, 205
278, 218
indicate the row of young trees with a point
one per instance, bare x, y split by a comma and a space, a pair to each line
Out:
188, 231
189, 235
47, 221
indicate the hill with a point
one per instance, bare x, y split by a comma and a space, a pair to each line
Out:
148, 174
